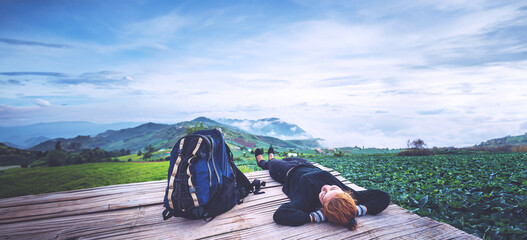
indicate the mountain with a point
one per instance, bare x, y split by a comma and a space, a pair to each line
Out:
29, 135
272, 127
165, 136
129, 138
504, 141
14, 156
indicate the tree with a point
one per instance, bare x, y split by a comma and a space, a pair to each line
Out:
56, 158
416, 144
74, 146
197, 127
58, 146
77, 159
149, 148
339, 154
40, 154
139, 153
416, 148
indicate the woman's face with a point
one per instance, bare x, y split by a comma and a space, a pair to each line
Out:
327, 192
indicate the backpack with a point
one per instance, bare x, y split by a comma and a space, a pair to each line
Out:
203, 180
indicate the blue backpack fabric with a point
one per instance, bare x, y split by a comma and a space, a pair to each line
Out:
203, 180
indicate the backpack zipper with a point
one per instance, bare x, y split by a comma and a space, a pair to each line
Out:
209, 159
214, 164
210, 173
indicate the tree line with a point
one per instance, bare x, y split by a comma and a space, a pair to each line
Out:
60, 157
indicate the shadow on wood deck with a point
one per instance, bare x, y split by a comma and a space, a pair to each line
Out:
133, 211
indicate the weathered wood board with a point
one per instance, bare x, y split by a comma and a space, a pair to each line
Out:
133, 211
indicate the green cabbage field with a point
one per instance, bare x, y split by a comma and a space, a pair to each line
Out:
482, 194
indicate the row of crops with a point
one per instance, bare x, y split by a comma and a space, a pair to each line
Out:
482, 194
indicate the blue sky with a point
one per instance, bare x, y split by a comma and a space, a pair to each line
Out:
365, 73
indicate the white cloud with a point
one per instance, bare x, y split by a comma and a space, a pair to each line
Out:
42, 103
260, 124
310, 40
243, 125
160, 27
450, 5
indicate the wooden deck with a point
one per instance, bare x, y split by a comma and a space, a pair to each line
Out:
133, 211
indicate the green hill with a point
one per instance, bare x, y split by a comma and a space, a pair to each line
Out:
505, 141
14, 156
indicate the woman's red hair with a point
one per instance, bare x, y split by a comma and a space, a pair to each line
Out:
341, 210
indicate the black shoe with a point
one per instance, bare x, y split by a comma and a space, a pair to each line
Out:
270, 150
257, 152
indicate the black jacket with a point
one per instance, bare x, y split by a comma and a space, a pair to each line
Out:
303, 185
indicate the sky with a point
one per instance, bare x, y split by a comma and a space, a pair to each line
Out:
354, 73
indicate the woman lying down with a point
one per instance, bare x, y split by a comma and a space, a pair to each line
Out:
316, 195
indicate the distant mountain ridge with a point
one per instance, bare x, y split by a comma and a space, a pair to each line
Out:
272, 127
166, 135
30, 135
504, 141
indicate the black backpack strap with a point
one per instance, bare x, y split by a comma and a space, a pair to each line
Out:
242, 182
257, 184
207, 218
167, 213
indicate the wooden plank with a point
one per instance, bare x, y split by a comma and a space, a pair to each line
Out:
75, 194
133, 211
268, 200
107, 190
97, 192
242, 210
323, 231
92, 200
109, 200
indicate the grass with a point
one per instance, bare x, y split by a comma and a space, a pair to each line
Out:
134, 158
36, 180
27, 181
158, 155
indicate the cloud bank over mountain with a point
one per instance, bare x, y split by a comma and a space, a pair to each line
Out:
272, 127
